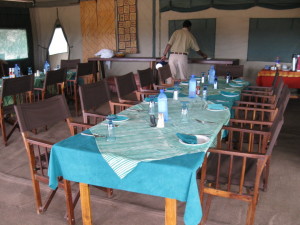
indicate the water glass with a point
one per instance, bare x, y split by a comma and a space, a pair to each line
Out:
184, 112
151, 105
110, 129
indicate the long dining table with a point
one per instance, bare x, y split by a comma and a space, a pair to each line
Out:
145, 159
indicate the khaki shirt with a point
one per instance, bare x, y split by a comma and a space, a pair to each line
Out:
182, 40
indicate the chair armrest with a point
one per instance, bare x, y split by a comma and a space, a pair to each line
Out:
259, 96
237, 153
254, 109
254, 122
257, 92
255, 104
260, 88
75, 127
245, 130
39, 142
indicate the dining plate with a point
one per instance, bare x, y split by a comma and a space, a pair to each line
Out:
201, 140
184, 83
216, 110
238, 81
236, 85
231, 96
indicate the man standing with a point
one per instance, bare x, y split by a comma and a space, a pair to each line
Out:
180, 42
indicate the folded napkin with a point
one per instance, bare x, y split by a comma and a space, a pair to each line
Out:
186, 138
172, 88
147, 99
215, 107
229, 93
120, 118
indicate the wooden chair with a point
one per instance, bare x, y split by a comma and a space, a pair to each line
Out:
54, 84
235, 170
14, 91
147, 85
259, 99
39, 115
69, 64
261, 119
235, 71
165, 76
264, 90
95, 101
85, 74
265, 112
126, 89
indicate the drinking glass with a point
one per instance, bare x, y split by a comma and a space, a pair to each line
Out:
110, 129
151, 105
184, 112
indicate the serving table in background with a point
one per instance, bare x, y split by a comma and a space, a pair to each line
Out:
265, 78
152, 61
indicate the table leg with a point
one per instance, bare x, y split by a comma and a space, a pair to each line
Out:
102, 69
85, 204
170, 211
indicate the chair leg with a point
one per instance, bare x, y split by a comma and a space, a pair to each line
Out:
206, 209
49, 199
75, 101
266, 175
69, 202
251, 212
37, 196
3, 132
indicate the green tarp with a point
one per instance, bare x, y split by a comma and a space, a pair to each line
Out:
197, 5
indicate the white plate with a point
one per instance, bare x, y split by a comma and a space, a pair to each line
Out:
187, 83
216, 110
122, 119
234, 85
238, 81
230, 96
201, 140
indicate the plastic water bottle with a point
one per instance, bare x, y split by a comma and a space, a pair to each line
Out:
202, 77
46, 67
176, 91
216, 83
204, 93
29, 71
212, 74
192, 87
162, 101
17, 70
277, 63
228, 77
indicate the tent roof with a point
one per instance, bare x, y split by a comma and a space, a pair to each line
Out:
37, 3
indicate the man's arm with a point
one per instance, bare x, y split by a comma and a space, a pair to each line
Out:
163, 58
202, 54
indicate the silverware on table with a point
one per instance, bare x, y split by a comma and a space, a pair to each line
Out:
93, 135
136, 110
204, 121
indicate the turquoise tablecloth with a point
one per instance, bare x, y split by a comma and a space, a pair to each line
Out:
79, 158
